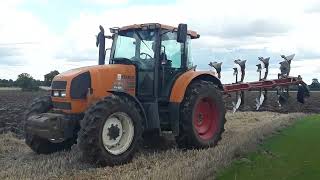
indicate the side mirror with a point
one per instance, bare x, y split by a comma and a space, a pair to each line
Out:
109, 37
182, 33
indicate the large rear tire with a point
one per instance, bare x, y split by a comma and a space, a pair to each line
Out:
110, 131
38, 144
202, 116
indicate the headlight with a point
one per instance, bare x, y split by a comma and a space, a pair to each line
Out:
63, 93
59, 93
56, 93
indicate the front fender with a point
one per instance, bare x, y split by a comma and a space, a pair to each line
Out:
134, 99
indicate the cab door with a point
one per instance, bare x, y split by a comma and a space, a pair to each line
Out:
172, 62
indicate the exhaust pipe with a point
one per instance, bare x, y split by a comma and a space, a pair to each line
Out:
101, 43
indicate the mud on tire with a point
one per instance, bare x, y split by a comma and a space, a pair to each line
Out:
202, 115
90, 136
38, 144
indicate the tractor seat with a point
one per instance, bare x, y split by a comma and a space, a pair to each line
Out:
164, 60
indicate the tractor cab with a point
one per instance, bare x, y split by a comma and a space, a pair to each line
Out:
159, 53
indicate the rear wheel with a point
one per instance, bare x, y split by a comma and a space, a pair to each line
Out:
42, 145
202, 116
110, 131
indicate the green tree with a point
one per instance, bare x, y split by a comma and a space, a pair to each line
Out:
26, 82
4, 83
315, 85
10, 83
49, 77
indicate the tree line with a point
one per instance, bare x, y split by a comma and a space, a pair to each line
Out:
27, 83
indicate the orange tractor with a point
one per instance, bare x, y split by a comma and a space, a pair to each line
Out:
149, 86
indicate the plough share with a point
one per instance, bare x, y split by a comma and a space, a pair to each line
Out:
281, 85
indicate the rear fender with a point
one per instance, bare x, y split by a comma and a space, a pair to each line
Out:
178, 92
182, 83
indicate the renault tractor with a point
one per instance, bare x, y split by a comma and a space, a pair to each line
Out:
150, 85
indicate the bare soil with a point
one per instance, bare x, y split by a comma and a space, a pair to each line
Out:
13, 104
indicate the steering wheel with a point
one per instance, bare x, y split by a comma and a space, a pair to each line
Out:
147, 55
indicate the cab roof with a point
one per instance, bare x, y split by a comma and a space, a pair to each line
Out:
193, 34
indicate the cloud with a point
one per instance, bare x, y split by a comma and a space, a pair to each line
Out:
256, 28
25, 42
303, 54
8, 51
106, 2
229, 29
313, 7
80, 36
264, 28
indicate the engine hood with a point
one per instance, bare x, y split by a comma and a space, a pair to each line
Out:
86, 85
70, 74
100, 78
65, 76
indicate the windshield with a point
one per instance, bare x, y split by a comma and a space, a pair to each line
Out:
136, 46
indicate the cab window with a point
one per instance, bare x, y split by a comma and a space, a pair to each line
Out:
136, 46
125, 47
171, 48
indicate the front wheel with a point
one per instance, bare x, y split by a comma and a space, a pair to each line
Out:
202, 116
110, 131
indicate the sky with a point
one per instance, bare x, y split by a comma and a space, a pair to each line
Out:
38, 36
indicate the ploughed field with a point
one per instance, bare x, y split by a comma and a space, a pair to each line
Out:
162, 160
13, 104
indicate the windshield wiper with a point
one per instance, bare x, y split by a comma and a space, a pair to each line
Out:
139, 36
166, 32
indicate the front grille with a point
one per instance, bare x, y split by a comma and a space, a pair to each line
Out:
62, 105
59, 85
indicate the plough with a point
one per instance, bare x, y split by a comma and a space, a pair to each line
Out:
263, 85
